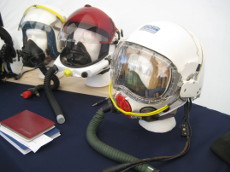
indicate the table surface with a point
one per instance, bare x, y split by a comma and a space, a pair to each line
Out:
72, 84
71, 152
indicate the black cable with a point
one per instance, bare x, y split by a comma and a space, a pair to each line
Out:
186, 132
21, 74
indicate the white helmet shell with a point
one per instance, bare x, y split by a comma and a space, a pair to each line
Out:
180, 46
158, 65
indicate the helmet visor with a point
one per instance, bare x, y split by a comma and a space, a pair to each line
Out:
35, 25
74, 32
140, 72
84, 44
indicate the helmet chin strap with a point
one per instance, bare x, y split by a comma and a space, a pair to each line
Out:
133, 113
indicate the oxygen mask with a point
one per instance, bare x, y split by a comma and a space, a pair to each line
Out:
32, 55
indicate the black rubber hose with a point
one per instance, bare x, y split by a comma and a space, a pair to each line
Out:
108, 151
50, 76
54, 78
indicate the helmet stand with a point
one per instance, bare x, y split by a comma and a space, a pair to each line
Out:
159, 126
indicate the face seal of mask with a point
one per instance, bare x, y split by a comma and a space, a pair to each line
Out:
75, 56
32, 55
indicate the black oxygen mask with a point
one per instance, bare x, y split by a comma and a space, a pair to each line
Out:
75, 55
32, 55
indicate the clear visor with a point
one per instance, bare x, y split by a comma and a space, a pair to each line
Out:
140, 72
84, 44
85, 33
39, 18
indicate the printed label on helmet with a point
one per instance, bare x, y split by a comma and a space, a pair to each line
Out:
150, 28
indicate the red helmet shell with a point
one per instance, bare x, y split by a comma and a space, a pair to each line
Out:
95, 17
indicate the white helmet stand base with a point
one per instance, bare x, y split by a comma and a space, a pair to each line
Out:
100, 80
159, 126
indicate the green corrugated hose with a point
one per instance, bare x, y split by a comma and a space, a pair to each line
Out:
106, 150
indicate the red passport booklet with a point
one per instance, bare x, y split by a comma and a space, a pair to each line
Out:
28, 124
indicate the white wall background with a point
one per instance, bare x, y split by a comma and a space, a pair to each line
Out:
209, 20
